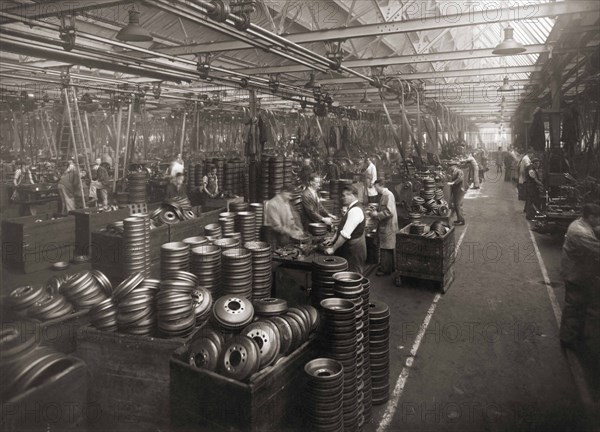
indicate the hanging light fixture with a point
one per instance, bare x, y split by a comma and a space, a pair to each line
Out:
365, 99
335, 53
134, 32
509, 45
506, 86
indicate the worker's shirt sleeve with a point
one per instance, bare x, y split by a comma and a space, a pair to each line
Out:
355, 217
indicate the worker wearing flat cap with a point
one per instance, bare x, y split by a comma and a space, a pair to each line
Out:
350, 242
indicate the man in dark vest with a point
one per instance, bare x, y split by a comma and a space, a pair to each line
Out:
350, 242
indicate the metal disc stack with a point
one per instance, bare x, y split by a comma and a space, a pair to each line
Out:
147, 244
213, 232
206, 265
237, 273
379, 345
325, 378
288, 175
227, 243
262, 269
367, 390
83, 290
264, 189
195, 241
135, 298
175, 308
349, 286
238, 207
245, 224
174, 257
136, 187
276, 175
227, 222
198, 174
191, 176
339, 340
323, 269
428, 191
103, 315
135, 236
234, 235
231, 177
259, 213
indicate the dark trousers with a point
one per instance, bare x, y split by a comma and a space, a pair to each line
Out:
355, 252
457, 200
581, 315
533, 201
386, 261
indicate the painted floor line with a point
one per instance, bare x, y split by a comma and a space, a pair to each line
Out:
392, 405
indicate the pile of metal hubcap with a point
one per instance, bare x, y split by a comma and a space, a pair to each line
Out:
136, 244
195, 241
174, 257
227, 222
340, 341
172, 211
262, 269
213, 232
227, 243
236, 207
245, 224
205, 350
379, 341
350, 286
237, 272
135, 298
323, 269
276, 175
233, 313
325, 379
83, 290
136, 187
259, 212
175, 306
367, 389
206, 265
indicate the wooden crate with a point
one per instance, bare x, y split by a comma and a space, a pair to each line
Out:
128, 375
194, 227
107, 250
271, 401
222, 202
59, 403
89, 220
424, 258
30, 246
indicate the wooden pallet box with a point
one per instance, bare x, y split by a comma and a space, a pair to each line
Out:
30, 246
270, 401
128, 375
424, 258
90, 220
59, 403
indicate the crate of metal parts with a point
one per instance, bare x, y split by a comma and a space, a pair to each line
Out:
33, 243
56, 400
92, 219
129, 376
194, 227
426, 257
269, 401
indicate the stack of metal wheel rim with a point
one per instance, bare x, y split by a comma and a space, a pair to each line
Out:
259, 213
349, 286
206, 265
203, 301
323, 269
136, 187
213, 232
198, 174
339, 340
367, 390
227, 243
227, 222
264, 188
195, 241
147, 245
23, 297
325, 394
220, 165
232, 313
175, 307
276, 175
237, 272
83, 290
103, 315
230, 176
288, 175
245, 224
135, 254
174, 256
262, 269
191, 176
135, 298
236, 207
379, 345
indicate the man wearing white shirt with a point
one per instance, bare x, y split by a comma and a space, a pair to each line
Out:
521, 188
371, 170
350, 243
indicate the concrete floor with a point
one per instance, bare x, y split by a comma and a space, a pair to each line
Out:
485, 356
489, 359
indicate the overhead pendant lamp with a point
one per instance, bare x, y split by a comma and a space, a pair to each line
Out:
134, 32
365, 99
509, 45
506, 86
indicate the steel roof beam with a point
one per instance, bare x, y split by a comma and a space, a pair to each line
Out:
462, 18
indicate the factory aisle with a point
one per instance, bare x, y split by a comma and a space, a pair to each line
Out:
490, 357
